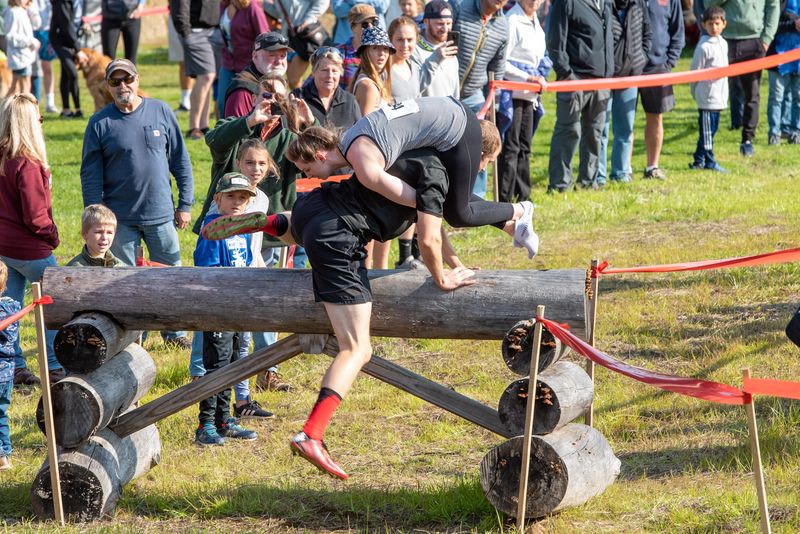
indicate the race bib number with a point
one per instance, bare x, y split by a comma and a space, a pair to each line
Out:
401, 109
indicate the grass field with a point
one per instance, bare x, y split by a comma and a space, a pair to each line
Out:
685, 462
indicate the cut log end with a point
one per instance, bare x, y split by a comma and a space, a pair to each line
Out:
82, 493
512, 406
517, 348
89, 340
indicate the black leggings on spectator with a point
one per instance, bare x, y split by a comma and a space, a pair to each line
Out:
69, 78
109, 35
462, 162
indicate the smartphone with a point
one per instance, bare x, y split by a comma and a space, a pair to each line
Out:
453, 36
275, 109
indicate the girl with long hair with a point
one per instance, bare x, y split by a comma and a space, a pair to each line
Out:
372, 83
28, 233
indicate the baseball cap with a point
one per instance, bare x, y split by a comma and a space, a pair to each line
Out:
272, 41
121, 64
361, 13
235, 181
434, 8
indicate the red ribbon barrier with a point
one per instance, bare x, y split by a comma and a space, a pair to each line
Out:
779, 256
141, 262
772, 388
305, 185
148, 11
5, 323
647, 80
692, 387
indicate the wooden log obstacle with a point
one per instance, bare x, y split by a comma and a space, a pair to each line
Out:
569, 462
100, 311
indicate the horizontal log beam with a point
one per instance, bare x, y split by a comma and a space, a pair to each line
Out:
406, 303
430, 391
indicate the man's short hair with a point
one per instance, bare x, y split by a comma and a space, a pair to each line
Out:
95, 214
435, 8
713, 13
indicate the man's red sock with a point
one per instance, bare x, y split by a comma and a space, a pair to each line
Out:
276, 225
321, 414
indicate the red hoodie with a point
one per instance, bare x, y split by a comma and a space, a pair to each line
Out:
27, 229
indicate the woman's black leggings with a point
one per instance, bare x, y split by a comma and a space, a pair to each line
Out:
462, 162
130, 29
69, 78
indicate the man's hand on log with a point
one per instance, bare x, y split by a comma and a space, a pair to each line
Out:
455, 278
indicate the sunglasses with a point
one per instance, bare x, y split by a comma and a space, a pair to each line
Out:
368, 24
323, 51
116, 82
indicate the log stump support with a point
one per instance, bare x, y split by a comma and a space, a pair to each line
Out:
89, 340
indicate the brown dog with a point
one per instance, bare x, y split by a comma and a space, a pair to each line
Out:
94, 73
5, 77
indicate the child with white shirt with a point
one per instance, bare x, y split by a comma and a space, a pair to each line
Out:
712, 95
21, 45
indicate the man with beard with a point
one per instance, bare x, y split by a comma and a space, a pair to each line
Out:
130, 148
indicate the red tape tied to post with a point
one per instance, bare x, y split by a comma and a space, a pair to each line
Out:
647, 80
779, 256
692, 387
11, 319
141, 262
772, 388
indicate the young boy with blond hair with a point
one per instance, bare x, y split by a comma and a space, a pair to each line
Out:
233, 195
98, 228
8, 336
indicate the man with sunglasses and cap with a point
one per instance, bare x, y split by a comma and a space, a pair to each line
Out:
342, 9
130, 148
269, 57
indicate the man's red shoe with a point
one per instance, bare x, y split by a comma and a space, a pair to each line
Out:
316, 452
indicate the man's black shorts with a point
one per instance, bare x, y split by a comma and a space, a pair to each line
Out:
336, 254
659, 99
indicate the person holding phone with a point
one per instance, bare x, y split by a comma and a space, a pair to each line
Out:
438, 43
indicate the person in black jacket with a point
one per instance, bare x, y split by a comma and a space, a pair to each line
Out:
330, 104
195, 21
581, 46
121, 17
64, 38
631, 28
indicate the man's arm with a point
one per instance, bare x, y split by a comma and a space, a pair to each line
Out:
677, 38
91, 168
772, 13
556, 38
179, 11
429, 233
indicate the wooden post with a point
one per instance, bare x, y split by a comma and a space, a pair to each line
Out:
526, 444
758, 470
283, 259
591, 320
50, 434
139, 255
492, 114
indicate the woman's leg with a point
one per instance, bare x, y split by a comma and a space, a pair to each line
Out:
131, 29
462, 162
109, 36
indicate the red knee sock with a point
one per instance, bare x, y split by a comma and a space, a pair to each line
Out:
276, 225
321, 414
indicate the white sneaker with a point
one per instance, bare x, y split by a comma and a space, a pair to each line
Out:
524, 235
51, 108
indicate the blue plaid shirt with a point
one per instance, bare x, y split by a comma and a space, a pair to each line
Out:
8, 307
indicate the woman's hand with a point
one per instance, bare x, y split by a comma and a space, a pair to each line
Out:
455, 278
137, 13
303, 111
261, 112
538, 79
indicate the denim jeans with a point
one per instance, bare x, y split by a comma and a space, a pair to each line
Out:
19, 273
475, 103
5, 432
224, 79
162, 244
620, 113
783, 88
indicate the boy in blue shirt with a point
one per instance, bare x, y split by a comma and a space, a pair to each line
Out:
8, 336
233, 195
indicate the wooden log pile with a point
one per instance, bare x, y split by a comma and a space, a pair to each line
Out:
110, 374
569, 463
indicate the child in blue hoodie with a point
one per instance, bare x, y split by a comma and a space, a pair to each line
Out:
8, 336
233, 194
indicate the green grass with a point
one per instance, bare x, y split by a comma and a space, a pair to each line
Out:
685, 462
